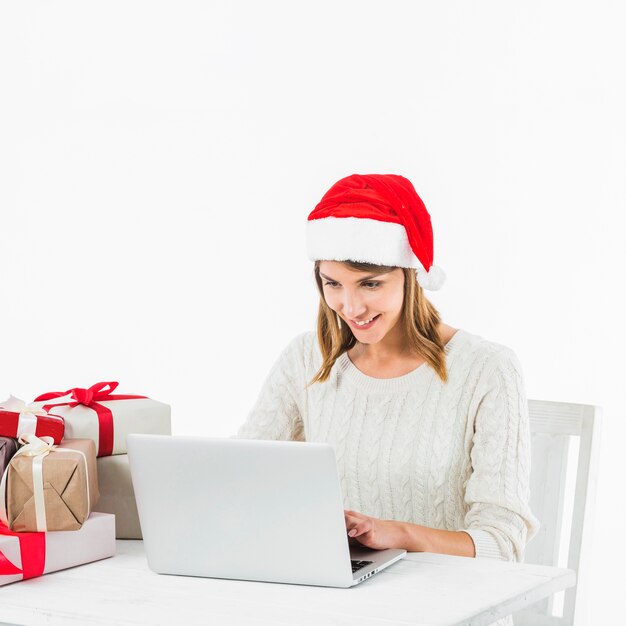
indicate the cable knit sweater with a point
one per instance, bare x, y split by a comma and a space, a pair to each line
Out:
453, 456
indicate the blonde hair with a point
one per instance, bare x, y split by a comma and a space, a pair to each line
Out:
419, 319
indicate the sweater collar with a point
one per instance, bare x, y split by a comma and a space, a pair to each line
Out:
406, 382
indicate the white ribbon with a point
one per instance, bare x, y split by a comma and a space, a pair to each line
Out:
19, 406
28, 413
39, 448
52, 401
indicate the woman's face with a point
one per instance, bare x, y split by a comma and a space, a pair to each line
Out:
363, 296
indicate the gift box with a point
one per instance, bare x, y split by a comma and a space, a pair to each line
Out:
117, 495
8, 447
18, 418
27, 555
48, 487
97, 413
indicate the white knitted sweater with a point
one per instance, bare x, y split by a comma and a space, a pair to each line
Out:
453, 456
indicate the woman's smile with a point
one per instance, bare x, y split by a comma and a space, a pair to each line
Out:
362, 326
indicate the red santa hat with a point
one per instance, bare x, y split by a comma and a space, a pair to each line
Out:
374, 218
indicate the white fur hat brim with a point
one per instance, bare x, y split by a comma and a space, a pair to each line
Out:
368, 241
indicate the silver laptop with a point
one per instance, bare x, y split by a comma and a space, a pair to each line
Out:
246, 509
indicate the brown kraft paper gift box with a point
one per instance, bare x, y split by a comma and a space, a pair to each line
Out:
70, 490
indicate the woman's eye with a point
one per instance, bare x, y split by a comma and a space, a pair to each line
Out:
371, 284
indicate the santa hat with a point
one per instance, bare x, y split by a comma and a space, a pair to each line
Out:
374, 218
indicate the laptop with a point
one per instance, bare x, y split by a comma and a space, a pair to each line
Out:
246, 509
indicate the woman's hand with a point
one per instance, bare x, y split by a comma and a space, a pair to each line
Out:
380, 534
372, 532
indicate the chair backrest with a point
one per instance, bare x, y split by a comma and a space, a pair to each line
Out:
554, 427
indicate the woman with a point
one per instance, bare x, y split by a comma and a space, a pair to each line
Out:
429, 422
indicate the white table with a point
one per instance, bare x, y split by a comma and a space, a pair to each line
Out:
421, 589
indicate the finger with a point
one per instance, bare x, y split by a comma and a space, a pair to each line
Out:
360, 529
355, 514
352, 527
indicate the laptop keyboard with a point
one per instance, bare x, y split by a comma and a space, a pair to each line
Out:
357, 565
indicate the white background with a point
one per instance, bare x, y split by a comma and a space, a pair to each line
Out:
158, 161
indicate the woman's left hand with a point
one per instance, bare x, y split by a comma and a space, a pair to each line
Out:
372, 532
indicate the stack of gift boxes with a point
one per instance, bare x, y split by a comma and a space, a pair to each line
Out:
66, 492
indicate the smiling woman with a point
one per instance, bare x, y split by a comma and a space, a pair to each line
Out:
403, 331
429, 423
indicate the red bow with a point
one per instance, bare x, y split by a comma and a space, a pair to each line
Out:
90, 397
85, 396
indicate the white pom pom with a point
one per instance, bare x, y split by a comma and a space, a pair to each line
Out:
431, 280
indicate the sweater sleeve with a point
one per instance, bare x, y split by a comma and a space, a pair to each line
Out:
499, 519
276, 413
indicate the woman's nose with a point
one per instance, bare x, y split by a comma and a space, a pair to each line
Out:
352, 306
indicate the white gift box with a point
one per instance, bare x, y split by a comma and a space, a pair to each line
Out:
124, 416
117, 495
58, 550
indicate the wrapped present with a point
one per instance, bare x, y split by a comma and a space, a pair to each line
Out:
48, 487
99, 414
18, 418
117, 495
8, 447
27, 555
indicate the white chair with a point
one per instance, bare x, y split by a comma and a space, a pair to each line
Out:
553, 426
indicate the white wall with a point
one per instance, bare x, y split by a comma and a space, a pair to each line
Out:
158, 161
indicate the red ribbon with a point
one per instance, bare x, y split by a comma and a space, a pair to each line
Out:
89, 397
32, 550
